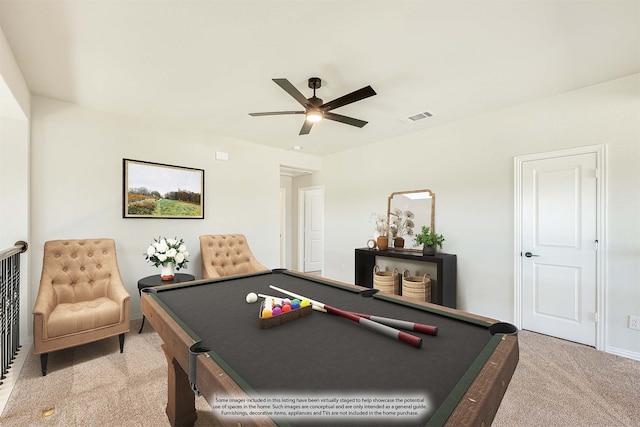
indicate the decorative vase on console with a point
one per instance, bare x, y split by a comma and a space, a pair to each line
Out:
383, 243
382, 231
401, 223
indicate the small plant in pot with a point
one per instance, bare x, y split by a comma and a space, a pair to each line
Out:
429, 240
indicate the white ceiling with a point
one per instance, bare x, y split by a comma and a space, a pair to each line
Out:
204, 65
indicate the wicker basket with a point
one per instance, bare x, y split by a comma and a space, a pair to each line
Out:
415, 287
386, 281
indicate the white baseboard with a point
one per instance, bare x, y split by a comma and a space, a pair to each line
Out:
624, 353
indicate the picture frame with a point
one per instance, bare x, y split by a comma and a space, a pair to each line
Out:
156, 190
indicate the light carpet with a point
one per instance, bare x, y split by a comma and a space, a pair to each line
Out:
96, 385
556, 383
564, 384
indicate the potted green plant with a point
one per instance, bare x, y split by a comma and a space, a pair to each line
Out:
429, 240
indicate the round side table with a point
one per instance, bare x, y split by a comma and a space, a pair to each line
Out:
155, 280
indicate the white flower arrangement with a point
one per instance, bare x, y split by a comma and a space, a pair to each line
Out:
163, 251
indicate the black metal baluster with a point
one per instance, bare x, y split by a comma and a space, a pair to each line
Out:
10, 306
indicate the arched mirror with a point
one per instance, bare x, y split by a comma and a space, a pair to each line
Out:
421, 202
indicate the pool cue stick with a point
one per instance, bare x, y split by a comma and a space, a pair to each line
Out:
300, 297
401, 324
394, 323
375, 326
270, 296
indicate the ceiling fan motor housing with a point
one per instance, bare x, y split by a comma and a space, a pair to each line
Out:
315, 83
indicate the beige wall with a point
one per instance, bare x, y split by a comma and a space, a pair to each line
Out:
14, 167
76, 175
469, 166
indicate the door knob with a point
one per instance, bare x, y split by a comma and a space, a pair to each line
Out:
529, 254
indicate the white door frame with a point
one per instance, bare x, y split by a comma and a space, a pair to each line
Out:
302, 191
601, 211
283, 228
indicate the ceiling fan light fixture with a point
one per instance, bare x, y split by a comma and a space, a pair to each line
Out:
314, 116
315, 109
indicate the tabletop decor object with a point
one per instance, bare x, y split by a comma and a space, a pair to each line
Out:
170, 254
401, 224
429, 240
382, 231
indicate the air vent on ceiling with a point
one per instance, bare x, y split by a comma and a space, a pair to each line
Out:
417, 116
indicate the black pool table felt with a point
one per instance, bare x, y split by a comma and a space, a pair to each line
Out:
323, 353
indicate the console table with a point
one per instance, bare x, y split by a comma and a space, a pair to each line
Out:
443, 288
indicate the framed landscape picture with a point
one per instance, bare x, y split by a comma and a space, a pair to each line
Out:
154, 190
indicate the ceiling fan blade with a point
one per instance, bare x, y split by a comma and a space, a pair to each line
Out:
291, 90
276, 113
306, 128
357, 95
344, 119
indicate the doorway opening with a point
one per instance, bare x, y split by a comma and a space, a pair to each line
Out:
290, 248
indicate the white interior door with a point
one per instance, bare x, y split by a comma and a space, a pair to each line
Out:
559, 244
313, 229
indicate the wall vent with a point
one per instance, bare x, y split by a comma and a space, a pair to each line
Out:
417, 116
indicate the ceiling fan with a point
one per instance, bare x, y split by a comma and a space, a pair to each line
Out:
315, 109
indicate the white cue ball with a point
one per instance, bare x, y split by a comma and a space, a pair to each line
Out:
251, 297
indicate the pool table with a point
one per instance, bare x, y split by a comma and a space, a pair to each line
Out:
215, 348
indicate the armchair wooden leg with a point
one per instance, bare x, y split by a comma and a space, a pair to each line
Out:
43, 363
121, 337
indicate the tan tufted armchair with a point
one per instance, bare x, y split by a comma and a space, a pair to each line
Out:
227, 255
81, 297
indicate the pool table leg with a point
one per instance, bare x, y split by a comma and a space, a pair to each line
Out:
181, 401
